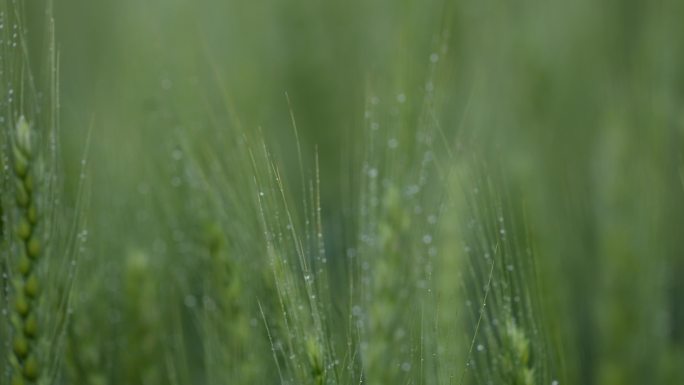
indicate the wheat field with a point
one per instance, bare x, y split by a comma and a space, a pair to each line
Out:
359, 192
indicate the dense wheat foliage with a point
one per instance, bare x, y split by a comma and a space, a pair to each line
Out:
363, 192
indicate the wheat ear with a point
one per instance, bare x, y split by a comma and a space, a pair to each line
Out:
24, 318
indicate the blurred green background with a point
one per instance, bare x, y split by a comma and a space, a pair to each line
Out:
574, 107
